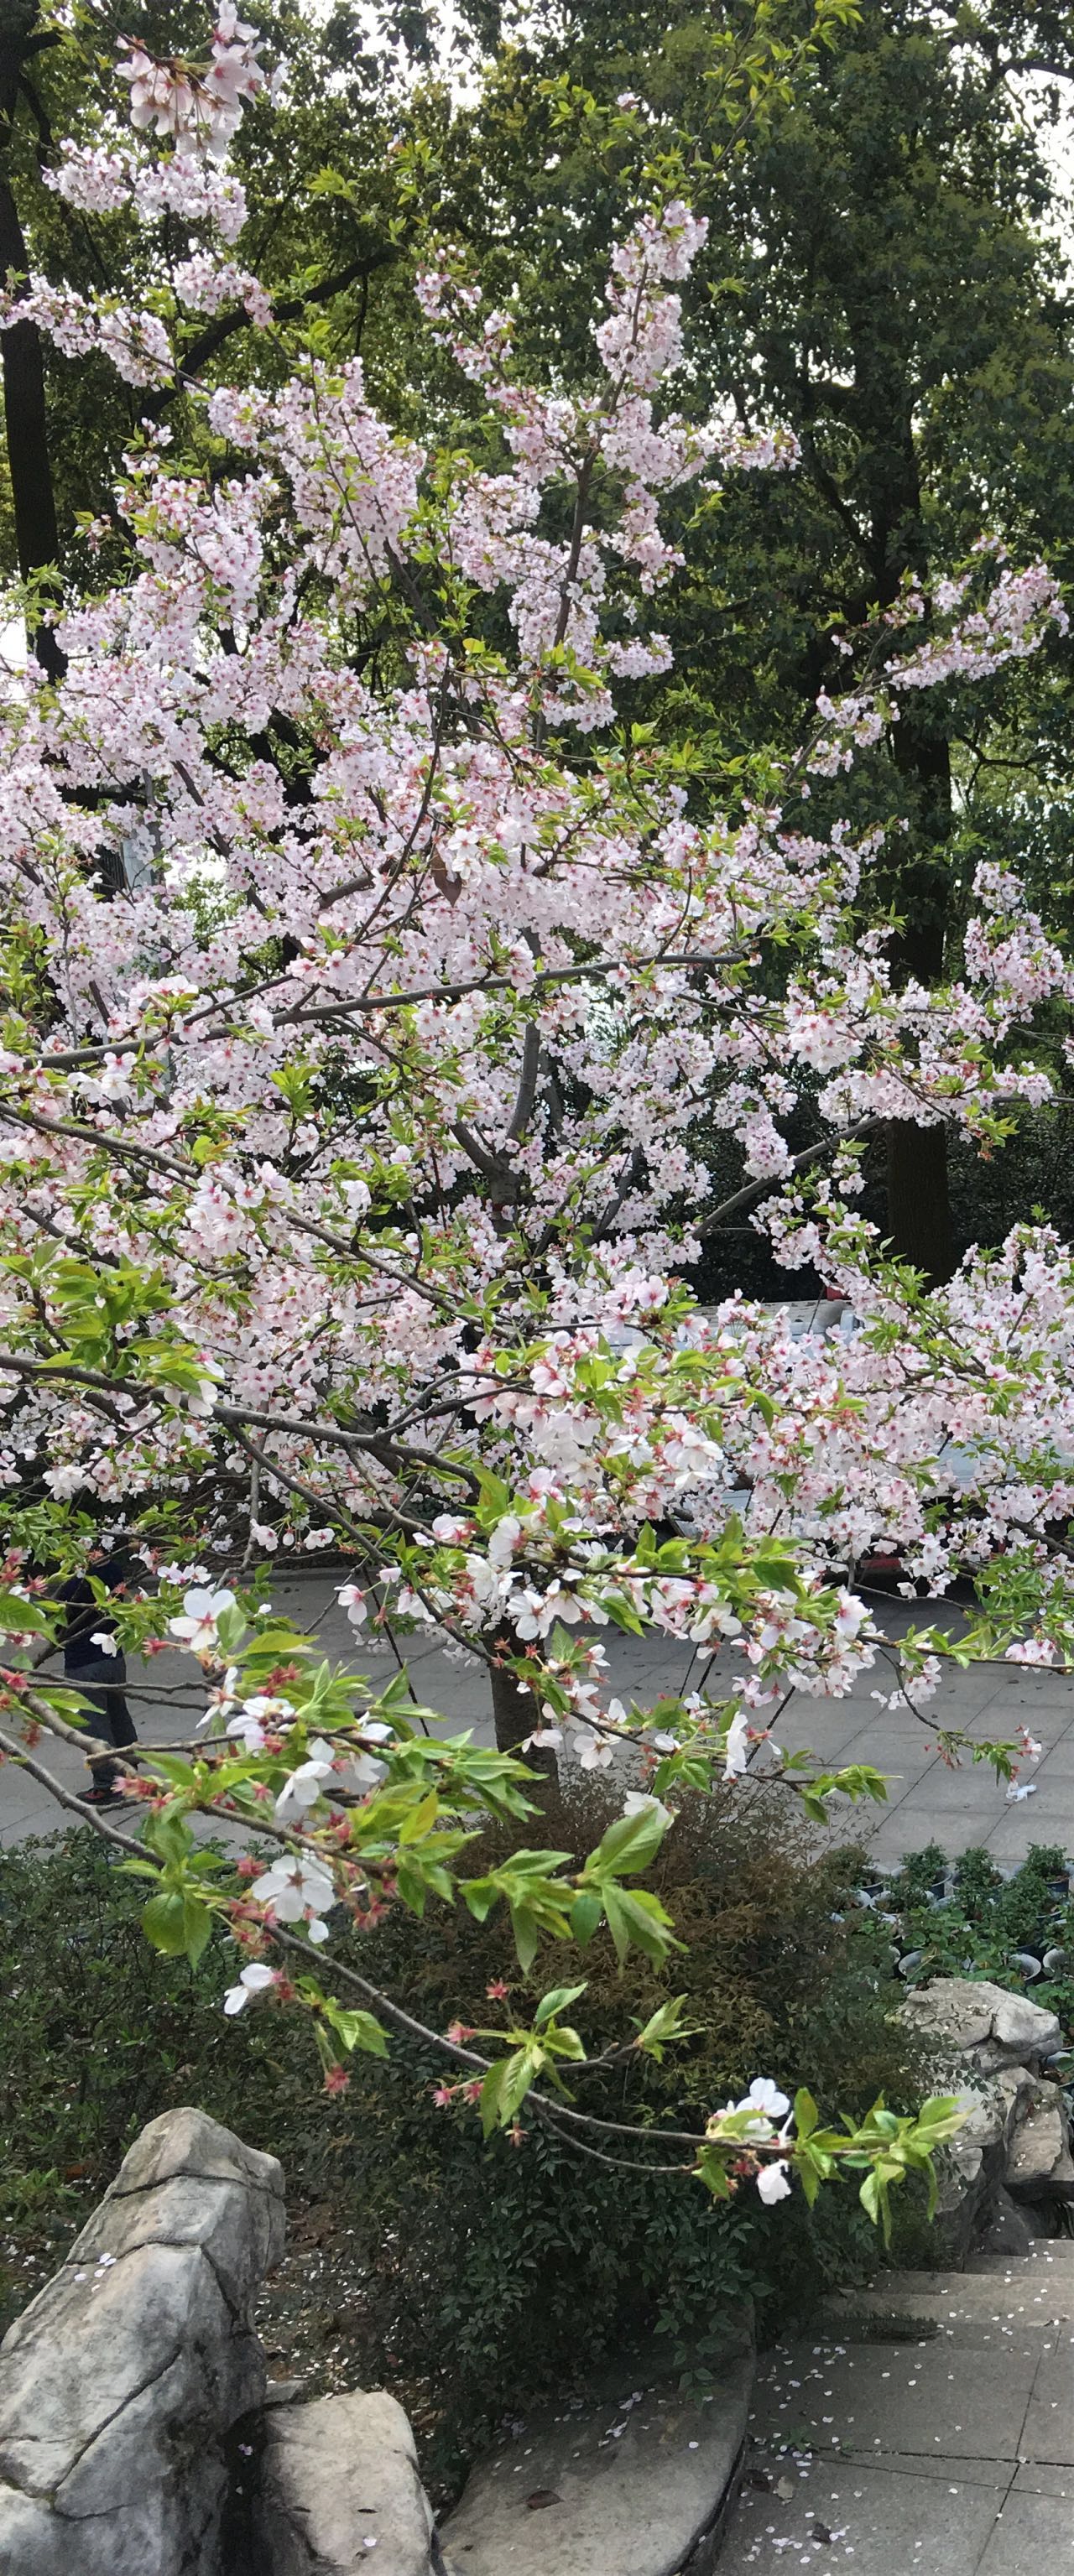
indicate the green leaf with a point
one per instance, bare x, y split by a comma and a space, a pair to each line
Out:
357, 2029
519, 2072
168, 1835
713, 2172
421, 1819
586, 1913
629, 1845
412, 1885
164, 1925
809, 2176
556, 2002
636, 1919
21, 1618
663, 2025
197, 1924
869, 2196
526, 1929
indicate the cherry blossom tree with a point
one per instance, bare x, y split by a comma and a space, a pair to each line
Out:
366, 976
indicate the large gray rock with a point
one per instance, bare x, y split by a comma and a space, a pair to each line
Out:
119, 2382
982, 2023
991, 2114
1008, 2231
339, 2478
1039, 2162
971, 2171
628, 2484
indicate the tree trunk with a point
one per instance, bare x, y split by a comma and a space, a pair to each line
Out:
919, 1206
515, 1711
25, 415
914, 879
919, 1201
36, 532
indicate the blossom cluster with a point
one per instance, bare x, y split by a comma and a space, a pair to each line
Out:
196, 105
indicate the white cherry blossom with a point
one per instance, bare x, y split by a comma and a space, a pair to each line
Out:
197, 1626
253, 1980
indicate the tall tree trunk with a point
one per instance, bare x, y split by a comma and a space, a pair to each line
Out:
916, 880
25, 413
919, 1204
515, 1710
26, 422
918, 1191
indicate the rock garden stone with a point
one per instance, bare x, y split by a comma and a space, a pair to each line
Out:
121, 2379
983, 2022
632, 2480
1039, 2162
1015, 2137
1008, 2232
339, 2491
971, 2171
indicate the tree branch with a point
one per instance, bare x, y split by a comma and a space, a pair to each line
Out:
289, 308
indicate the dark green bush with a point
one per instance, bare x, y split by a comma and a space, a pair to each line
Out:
476, 2276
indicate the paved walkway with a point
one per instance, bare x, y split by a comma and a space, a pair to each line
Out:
926, 1801
943, 2447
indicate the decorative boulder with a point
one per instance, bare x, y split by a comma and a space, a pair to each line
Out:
1014, 2145
971, 2170
339, 2478
1008, 2231
1039, 2162
982, 2023
629, 2481
121, 2379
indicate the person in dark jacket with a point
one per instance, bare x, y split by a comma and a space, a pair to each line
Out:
94, 1665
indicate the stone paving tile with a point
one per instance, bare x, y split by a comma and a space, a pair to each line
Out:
34, 1821
1034, 2536
904, 1833
1056, 1763
1040, 1820
945, 2457
996, 2475
898, 2397
869, 2522
1049, 2426
828, 1737
1026, 1685
1037, 2477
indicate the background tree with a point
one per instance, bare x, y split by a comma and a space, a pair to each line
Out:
882, 275
322, 230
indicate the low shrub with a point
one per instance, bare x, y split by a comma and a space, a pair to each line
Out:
470, 2277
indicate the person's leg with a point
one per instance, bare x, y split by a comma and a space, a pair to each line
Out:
108, 1716
121, 1726
95, 1703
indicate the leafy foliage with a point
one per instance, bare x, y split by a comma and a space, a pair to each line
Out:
488, 2272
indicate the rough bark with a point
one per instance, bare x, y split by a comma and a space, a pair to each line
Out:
918, 1190
25, 410
918, 1194
515, 1711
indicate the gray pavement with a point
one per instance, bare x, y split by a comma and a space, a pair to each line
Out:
927, 1800
950, 2448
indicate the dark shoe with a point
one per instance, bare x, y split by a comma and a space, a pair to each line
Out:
102, 1795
